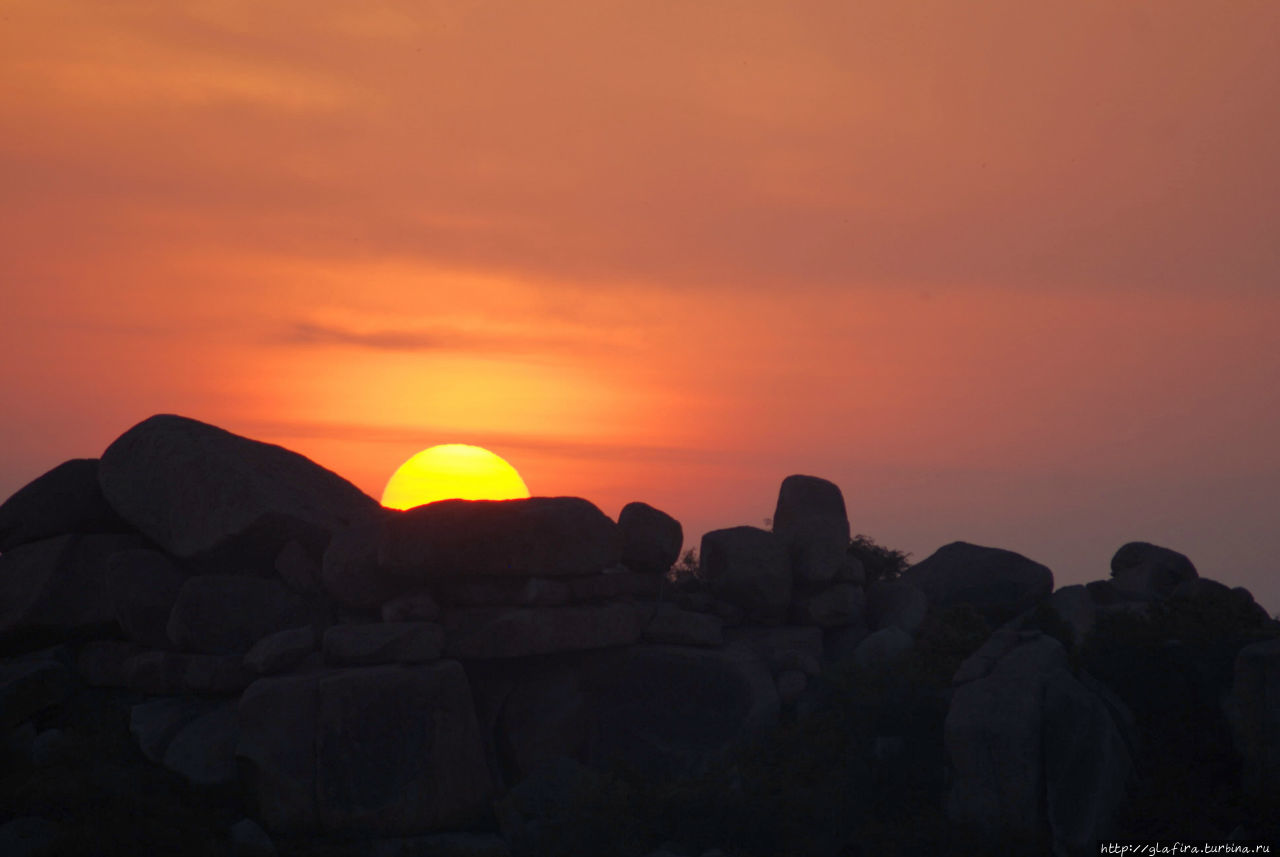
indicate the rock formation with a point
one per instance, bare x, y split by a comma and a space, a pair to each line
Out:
247, 623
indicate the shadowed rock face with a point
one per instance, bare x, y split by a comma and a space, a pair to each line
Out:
194, 488
67, 499
998, 583
534, 537
748, 567
392, 749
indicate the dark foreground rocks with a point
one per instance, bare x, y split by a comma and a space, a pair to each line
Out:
213, 645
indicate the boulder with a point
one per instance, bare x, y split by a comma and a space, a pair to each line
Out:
383, 643
533, 537
28, 836
1087, 766
504, 591
1075, 606
651, 539
811, 522
227, 614
154, 723
614, 584
65, 500
833, 606
748, 567
895, 603
281, 651
523, 631
414, 607
203, 751
142, 586
103, 663
381, 751
655, 709
56, 589
994, 736
672, 625
298, 568
160, 672
1036, 754
998, 583
31, 685
780, 648
1149, 571
351, 573
248, 839
1254, 716
791, 685
196, 489
881, 649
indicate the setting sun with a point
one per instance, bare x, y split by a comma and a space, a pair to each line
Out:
452, 471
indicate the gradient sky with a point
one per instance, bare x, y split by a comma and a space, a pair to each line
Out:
1007, 272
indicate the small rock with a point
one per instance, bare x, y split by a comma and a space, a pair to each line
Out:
683, 627
831, 607
281, 651
248, 839
204, 750
383, 643
882, 648
897, 603
413, 607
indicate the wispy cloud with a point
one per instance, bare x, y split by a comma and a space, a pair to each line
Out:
442, 339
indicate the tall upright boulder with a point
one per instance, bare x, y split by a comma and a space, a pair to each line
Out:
1253, 712
65, 500
997, 583
811, 522
196, 489
532, 537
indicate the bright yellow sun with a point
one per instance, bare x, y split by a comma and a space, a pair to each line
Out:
452, 471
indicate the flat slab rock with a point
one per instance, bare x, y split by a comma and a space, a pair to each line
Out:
524, 631
534, 537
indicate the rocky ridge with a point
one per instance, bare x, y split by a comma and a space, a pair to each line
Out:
336, 677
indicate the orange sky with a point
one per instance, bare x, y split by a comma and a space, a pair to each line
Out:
1005, 271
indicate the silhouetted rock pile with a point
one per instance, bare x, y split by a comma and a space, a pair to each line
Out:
294, 668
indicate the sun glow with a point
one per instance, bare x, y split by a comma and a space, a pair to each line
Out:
452, 471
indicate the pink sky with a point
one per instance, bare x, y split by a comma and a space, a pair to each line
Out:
1007, 272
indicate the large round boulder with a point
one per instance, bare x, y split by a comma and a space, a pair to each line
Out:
1144, 570
533, 537
195, 489
651, 539
997, 583
811, 521
65, 500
